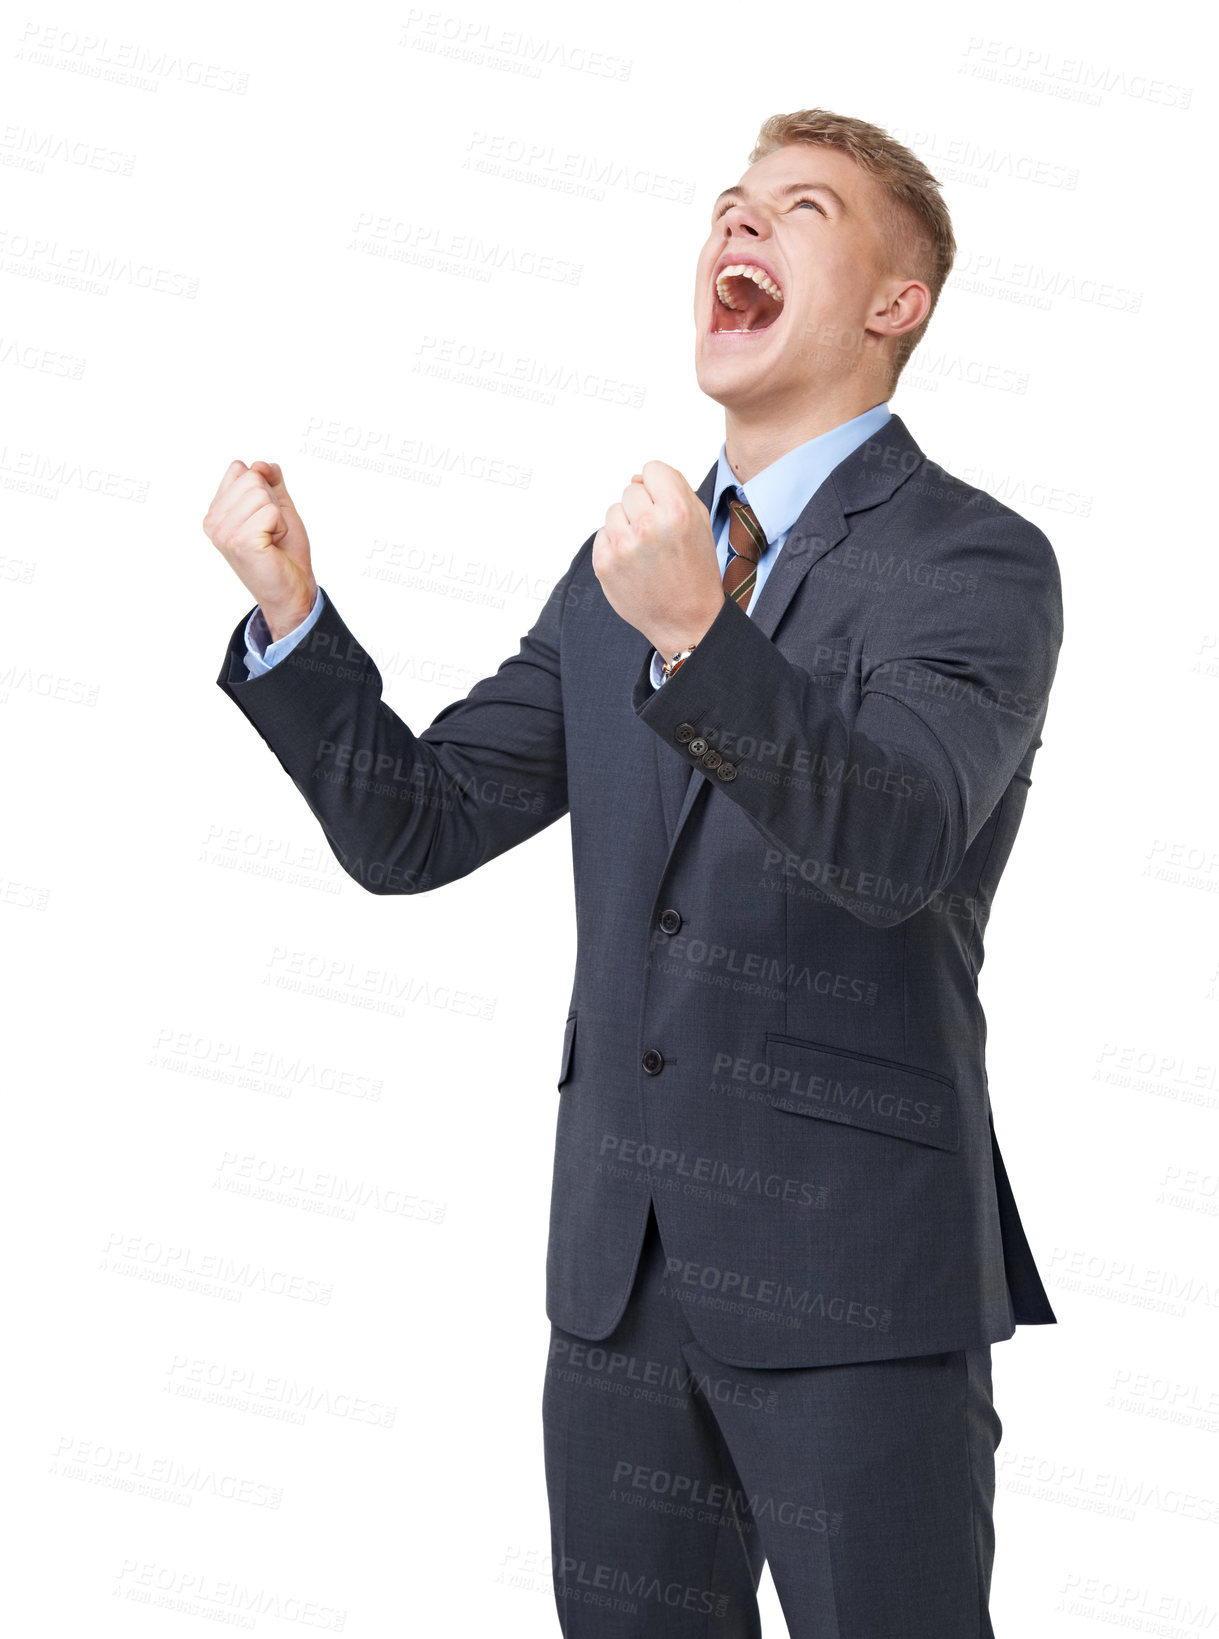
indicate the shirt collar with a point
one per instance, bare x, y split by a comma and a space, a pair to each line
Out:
780, 492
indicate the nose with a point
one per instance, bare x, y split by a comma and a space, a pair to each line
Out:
739, 219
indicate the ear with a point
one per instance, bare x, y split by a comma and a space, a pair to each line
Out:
902, 305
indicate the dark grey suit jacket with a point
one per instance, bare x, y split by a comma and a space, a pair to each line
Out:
784, 861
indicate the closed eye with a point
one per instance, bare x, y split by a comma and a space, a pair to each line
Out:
728, 204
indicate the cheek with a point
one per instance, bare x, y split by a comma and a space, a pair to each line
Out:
835, 302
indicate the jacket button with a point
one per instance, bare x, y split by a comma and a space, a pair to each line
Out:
670, 921
727, 771
697, 746
653, 1062
684, 732
712, 758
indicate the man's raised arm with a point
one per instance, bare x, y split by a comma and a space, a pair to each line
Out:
880, 807
402, 812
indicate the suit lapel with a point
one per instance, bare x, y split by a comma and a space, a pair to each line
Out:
868, 476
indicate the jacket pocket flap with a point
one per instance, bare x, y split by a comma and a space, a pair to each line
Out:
569, 1037
856, 1091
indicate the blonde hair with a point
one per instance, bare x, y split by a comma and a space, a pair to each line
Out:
917, 227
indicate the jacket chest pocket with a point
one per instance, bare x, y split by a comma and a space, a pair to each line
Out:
831, 657
829, 660
569, 1042
852, 1090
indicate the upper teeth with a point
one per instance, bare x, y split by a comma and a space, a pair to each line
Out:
748, 271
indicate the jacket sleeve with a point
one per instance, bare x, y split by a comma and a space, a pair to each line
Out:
406, 812
879, 801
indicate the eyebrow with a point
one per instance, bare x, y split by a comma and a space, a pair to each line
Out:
791, 188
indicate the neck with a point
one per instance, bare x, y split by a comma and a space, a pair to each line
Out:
753, 440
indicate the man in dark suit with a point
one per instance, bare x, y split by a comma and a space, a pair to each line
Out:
792, 716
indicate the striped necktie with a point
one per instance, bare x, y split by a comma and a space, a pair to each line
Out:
746, 544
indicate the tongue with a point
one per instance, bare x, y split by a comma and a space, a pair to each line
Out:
754, 309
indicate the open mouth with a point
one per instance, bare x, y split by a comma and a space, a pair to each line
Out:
746, 298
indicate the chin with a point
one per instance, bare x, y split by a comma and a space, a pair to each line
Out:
732, 381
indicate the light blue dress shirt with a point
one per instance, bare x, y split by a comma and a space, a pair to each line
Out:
260, 654
778, 495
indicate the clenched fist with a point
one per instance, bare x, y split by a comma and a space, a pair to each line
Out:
254, 524
655, 558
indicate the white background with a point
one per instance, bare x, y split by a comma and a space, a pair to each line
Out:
239, 234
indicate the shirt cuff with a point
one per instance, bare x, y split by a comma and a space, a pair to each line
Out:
261, 654
658, 676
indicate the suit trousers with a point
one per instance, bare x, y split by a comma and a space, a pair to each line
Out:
673, 1478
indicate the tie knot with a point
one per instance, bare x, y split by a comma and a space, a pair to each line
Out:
746, 536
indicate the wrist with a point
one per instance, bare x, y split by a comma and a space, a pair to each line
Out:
282, 621
669, 640
676, 661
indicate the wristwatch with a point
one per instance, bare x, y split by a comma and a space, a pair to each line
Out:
682, 655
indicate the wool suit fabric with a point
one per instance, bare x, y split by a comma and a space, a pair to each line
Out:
774, 1031
775, 1157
